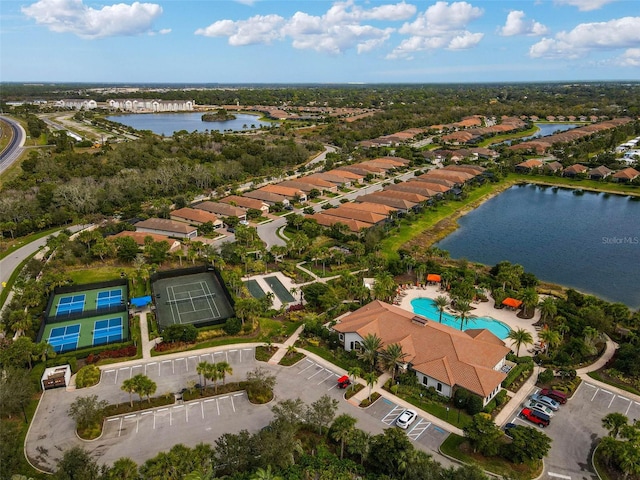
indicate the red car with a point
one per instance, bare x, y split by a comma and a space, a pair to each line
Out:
536, 417
344, 382
555, 395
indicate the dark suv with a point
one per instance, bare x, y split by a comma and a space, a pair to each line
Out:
536, 417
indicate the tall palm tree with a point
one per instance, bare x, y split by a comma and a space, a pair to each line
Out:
342, 429
550, 337
441, 303
214, 375
548, 309
371, 343
614, 422
224, 369
371, 380
390, 356
463, 308
384, 286
202, 369
129, 386
529, 299
520, 337
354, 372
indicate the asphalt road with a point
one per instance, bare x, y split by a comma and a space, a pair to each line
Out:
14, 149
142, 435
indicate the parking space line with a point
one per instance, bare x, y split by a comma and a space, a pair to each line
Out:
146, 413
590, 385
607, 391
136, 366
627, 411
202, 409
120, 427
233, 406
594, 395
130, 416
421, 429
210, 400
305, 369
384, 419
326, 378
109, 371
112, 419
319, 371
613, 397
218, 406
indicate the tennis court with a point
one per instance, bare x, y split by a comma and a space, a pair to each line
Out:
191, 299
66, 338
255, 289
107, 331
70, 304
109, 298
279, 289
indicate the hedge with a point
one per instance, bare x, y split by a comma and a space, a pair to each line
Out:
515, 373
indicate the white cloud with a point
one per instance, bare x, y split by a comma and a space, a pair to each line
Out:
585, 5
341, 28
442, 25
72, 16
630, 58
517, 25
586, 37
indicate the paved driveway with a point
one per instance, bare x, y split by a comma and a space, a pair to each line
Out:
142, 435
576, 428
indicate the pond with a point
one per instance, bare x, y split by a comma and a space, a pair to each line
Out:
168, 123
546, 129
587, 241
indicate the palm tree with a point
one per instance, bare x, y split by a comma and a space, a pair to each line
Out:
548, 309
262, 474
129, 386
371, 380
441, 303
354, 372
214, 375
342, 429
520, 337
223, 369
370, 346
203, 369
359, 444
463, 309
529, 299
384, 286
390, 357
550, 337
613, 422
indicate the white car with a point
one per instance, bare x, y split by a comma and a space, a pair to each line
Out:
533, 405
406, 418
549, 402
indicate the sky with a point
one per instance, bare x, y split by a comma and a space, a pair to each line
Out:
317, 41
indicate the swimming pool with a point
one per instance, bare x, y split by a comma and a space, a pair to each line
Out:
427, 308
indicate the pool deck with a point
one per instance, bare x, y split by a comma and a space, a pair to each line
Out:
480, 309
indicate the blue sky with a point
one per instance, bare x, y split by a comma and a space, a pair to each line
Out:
316, 41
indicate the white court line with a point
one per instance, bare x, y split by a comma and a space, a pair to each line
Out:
558, 475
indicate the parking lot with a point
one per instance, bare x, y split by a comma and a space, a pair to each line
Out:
576, 428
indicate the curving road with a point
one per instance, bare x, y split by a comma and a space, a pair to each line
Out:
13, 151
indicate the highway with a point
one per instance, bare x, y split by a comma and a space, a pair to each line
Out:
13, 151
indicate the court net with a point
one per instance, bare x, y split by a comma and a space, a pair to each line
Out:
191, 299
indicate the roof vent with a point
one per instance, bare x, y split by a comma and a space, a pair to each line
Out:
419, 320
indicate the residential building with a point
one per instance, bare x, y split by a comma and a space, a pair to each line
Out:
442, 357
267, 197
293, 194
140, 237
328, 221
222, 209
575, 170
599, 173
170, 228
245, 202
195, 216
626, 175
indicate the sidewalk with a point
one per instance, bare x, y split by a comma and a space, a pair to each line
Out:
283, 348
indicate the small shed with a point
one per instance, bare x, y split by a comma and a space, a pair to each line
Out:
512, 303
55, 377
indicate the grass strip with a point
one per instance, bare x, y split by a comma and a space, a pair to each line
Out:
12, 279
22, 241
605, 379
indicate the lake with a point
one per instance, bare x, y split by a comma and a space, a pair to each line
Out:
587, 241
546, 129
167, 123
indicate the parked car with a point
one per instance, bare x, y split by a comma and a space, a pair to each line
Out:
548, 401
344, 382
536, 417
406, 418
533, 405
559, 397
508, 427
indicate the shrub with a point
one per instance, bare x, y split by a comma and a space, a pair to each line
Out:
546, 376
87, 376
232, 326
474, 405
515, 373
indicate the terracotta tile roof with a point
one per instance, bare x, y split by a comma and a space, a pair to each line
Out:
443, 182
441, 352
459, 177
222, 209
371, 207
300, 184
577, 168
350, 171
353, 214
392, 202
531, 163
328, 221
165, 225
626, 174
284, 191
194, 215
318, 182
244, 202
553, 166
410, 196
265, 196
601, 171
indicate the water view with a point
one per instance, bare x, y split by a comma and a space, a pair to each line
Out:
546, 129
427, 308
168, 123
587, 241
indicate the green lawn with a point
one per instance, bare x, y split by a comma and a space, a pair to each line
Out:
91, 275
577, 183
13, 245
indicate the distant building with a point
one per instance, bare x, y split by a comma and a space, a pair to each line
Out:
145, 105
166, 227
77, 103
